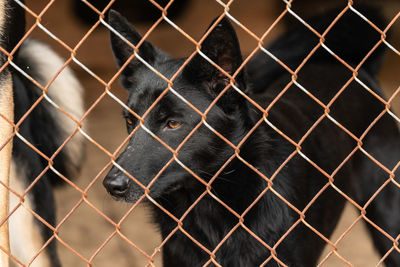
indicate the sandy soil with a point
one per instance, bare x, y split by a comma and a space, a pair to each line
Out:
84, 230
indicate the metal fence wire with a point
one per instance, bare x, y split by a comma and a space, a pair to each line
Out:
112, 155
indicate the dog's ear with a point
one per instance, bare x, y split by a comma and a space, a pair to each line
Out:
123, 51
222, 47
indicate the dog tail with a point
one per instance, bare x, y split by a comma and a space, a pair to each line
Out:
351, 38
46, 127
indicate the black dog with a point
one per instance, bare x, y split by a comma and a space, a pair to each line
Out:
45, 128
233, 117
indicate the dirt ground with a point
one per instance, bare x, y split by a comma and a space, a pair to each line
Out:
84, 230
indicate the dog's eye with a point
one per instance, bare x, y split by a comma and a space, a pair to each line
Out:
129, 121
173, 124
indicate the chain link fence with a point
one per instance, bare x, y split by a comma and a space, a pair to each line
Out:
89, 242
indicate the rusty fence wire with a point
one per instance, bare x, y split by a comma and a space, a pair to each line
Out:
112, 155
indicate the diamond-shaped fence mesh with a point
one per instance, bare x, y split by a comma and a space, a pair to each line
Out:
91, 229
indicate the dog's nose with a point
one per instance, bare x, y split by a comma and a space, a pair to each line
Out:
116, 186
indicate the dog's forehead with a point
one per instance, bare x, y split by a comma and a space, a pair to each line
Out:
182, 97
140, 101
156, 77
149, 85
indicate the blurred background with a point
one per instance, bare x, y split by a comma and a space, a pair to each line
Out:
82, 228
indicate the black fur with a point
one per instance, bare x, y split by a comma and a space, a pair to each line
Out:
14, 25
12, 32
237, 185
25, 94
351, 44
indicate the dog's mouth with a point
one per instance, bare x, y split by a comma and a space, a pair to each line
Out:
130, 197
136, 196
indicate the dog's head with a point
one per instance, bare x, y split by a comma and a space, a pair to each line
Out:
169, 122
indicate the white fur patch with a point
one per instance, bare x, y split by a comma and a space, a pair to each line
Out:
65, 91
25, 237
